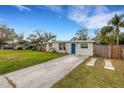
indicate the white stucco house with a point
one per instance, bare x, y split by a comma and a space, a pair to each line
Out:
71, 47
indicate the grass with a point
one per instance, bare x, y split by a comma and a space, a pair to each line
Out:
12, 60
94, 77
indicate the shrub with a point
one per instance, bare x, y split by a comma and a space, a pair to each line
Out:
33, 48
19, 48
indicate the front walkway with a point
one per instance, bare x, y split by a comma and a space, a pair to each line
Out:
42, 75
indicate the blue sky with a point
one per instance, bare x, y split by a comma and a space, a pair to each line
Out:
63, 21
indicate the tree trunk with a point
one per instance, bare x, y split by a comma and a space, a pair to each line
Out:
117, 39
117, 31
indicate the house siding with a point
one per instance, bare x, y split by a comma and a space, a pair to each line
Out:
84, 51
79, 50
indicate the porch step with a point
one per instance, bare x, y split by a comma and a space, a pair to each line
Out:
108, 65
92, 62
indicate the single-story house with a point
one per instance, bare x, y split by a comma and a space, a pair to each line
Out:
71, 47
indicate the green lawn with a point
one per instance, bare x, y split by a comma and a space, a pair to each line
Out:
12, 60
92, 77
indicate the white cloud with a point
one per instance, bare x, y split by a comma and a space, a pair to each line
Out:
55, 8
22, 8
58, 9
100, 9
91, 17
76, 13
100, 20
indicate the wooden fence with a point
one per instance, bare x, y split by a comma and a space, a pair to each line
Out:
109, 51
41, 48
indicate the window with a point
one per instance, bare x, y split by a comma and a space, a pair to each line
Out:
62, 46
50, 45
84, 45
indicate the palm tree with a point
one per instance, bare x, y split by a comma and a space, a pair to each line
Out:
117, 22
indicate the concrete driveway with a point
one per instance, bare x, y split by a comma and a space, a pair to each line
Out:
42, 75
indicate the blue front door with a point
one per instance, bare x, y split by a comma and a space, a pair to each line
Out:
73, 49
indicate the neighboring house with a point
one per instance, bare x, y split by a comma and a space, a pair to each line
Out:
71, 47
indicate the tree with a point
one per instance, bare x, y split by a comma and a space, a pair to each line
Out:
121, 38
20, 38
81, 34
40, 37
7, 35
32, 39
97, 37
105, 36
11, 36
117, 22
2, 35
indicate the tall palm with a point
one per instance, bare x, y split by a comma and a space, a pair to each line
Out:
117, 22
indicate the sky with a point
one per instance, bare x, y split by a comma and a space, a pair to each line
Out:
64, 21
